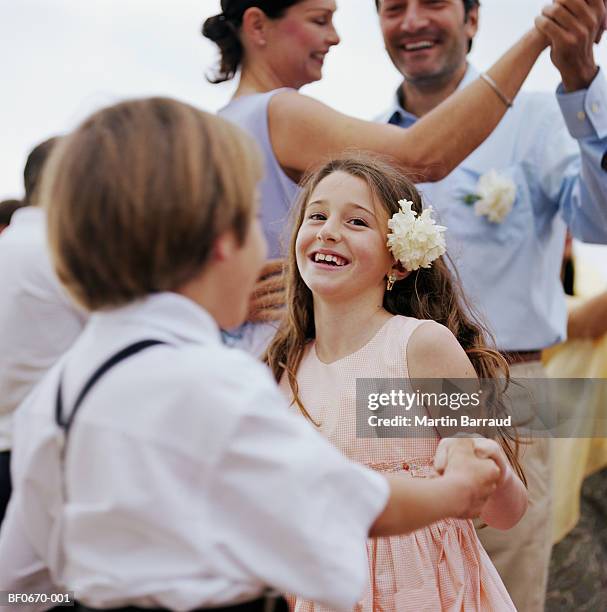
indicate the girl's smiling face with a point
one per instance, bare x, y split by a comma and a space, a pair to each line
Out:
341, 244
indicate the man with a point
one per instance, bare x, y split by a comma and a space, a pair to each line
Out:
38, 321
506, 232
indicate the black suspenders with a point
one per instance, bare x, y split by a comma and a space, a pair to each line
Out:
271, 602
66, 422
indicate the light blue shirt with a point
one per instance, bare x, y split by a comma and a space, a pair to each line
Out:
510, 271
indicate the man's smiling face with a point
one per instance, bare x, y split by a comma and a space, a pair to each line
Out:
427, 39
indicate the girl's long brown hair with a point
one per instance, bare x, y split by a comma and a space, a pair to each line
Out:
428, 293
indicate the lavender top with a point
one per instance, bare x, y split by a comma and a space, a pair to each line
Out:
277, 191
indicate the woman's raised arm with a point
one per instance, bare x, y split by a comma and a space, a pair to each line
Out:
304, 131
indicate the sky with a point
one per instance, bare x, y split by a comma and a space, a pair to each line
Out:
63, 59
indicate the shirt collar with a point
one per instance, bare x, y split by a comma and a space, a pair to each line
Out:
170, 314
397, 115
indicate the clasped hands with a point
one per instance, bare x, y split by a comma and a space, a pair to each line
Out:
479, 463
572, 27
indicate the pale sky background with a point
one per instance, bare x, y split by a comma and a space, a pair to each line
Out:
62, 59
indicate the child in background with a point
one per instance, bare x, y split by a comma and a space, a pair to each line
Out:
346, 321
153, 466
38, 320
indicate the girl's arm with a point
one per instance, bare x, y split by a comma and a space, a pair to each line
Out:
434, 352
304, 131
507, 505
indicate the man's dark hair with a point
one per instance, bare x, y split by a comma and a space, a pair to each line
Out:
33, 167
468, 4
7, 208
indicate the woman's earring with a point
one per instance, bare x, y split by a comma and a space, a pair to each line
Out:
391, 281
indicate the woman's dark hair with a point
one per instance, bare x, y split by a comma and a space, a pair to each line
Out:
224, 31
7, 208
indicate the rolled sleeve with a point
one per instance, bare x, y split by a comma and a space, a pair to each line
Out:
585, 111
303, 510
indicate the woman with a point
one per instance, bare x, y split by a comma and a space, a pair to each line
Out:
279, 45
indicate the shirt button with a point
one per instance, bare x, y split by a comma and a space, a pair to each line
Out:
595, 107
581, 115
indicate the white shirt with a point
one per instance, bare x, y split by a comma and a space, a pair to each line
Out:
38, 321
188, 481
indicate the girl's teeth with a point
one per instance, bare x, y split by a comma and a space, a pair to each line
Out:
338, 261
328, 258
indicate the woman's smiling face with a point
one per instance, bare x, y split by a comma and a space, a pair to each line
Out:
341, 244
301, 39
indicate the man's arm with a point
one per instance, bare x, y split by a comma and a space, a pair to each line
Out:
577, 183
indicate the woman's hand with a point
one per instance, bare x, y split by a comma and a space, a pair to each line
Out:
267, 301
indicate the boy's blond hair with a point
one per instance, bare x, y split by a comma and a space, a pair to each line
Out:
137, 195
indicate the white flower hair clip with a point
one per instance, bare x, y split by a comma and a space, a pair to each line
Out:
415, 241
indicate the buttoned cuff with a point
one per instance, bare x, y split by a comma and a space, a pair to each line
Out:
585, 111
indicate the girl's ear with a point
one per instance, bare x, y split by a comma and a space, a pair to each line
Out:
398, 271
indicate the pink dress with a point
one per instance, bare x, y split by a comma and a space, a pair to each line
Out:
442, 567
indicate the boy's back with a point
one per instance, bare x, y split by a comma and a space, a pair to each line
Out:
181, 479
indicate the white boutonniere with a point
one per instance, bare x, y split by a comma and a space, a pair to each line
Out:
494, 197
415, 241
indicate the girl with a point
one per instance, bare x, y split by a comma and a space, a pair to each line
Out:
154, 468
346, 321
280, 45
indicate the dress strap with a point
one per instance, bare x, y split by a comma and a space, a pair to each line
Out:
125, 353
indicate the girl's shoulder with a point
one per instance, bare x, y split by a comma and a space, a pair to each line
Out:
395, 338
404, 326
433, 351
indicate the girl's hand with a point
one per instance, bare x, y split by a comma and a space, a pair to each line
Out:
484, 448
473, 477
